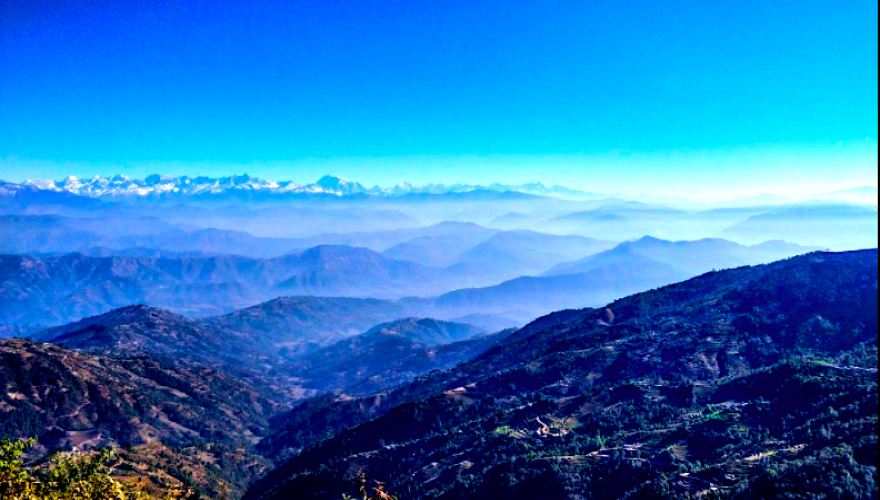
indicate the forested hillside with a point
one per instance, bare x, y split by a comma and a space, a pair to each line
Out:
749, 383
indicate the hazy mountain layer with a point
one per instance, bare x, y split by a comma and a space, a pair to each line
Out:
510, 254
461, 234
689, 257
219, 234
60, 289
529, 297
832, 226
336, 211
55, 290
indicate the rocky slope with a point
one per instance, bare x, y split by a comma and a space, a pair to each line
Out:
194, 425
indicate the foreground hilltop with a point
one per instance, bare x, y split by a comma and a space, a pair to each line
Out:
173, 426
753, 381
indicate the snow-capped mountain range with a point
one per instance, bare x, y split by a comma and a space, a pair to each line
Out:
161, 185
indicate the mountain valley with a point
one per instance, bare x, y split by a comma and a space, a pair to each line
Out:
245, 339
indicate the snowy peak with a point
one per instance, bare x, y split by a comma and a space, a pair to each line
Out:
164, 185
339, 185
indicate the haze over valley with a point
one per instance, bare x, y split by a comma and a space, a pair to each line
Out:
77, 249
297, 297
438, 250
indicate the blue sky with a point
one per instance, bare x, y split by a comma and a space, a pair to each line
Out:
610, 96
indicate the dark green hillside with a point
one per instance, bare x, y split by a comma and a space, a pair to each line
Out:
389, 354
297, 324
147, 330
288, 348
189, 399
751, 383
139, 330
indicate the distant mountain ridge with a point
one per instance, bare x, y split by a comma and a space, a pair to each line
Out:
520, 253
56, 290
848, 226
162, 186
119, 186
59, 289
688, 257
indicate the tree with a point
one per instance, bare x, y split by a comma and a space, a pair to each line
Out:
376, 493
66, 476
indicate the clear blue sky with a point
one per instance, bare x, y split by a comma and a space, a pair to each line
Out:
441, 91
